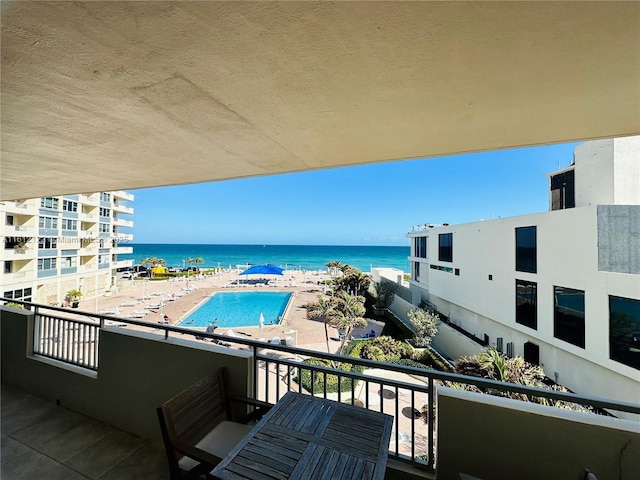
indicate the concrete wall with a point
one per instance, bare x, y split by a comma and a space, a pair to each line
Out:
137, 372
619, 238
502, 439
392, 274
454, 344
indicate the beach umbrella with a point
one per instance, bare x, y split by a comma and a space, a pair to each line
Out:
263, 270
261, 323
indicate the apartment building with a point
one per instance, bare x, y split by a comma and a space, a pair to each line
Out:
56, 244
560, 288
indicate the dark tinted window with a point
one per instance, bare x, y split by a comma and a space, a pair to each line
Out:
526, 249
563, 190
445, 247
421, 247
527, 303
568, 315
624, 331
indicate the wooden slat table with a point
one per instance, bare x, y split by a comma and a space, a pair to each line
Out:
305, 437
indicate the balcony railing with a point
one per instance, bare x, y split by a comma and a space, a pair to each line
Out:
406, 393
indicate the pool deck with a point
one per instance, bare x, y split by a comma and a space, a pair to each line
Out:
310, 334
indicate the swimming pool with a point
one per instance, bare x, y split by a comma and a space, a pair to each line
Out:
239, 309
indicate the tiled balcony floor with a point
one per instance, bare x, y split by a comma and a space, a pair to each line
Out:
43, 441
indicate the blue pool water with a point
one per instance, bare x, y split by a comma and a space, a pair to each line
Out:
239, 309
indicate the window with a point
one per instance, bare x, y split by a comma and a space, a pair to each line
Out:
24, 295
68, 262
532, 353
526, 249
624, 331
47, 263
441, 268
49, 202
69, 206
47, 242
416, 270
104, 258
445, 247
105, 197
68, 224
10, 220
103, 228
48, 222
105, 212
8, 266
563, 190
420, 245
568, 315
527, 303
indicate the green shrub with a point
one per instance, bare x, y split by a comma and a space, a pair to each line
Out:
372, 352
426, 323
304, 376
14, 305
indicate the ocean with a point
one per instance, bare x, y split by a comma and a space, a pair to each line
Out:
299, 257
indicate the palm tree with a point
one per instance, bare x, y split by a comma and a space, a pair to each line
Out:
152, 262
349, 315
324, 308
197, 260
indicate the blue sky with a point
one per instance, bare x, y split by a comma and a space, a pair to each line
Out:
363, 205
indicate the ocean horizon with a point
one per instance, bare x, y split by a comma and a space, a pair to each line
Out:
299, 257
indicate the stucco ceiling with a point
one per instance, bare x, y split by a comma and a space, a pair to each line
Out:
121, 95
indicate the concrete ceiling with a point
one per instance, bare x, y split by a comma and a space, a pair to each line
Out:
121, 95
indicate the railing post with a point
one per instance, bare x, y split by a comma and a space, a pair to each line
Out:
255, 373
430, 400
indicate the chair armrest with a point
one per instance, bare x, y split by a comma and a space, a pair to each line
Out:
260, 408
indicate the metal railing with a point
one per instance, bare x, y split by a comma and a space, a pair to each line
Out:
406, 393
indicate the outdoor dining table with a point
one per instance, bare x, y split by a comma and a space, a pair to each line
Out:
306, 437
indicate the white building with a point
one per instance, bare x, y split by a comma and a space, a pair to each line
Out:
560, 288
55, 244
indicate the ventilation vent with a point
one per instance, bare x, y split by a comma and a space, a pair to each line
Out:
510, 349
499, 345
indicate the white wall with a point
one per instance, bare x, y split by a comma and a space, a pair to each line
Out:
608, 172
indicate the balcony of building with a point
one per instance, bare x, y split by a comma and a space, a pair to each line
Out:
125, 237
122, 195
122, 250
27, 208
18, 249
112, 373
120, 208
92, 200
122, 264
88, 218
19, 276
121, 222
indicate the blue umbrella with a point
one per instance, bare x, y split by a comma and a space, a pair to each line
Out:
263, 270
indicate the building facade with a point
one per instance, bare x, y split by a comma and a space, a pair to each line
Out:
52, 245
560, 288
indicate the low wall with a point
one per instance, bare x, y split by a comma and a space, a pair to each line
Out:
503, 439
137, 372
454, 344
